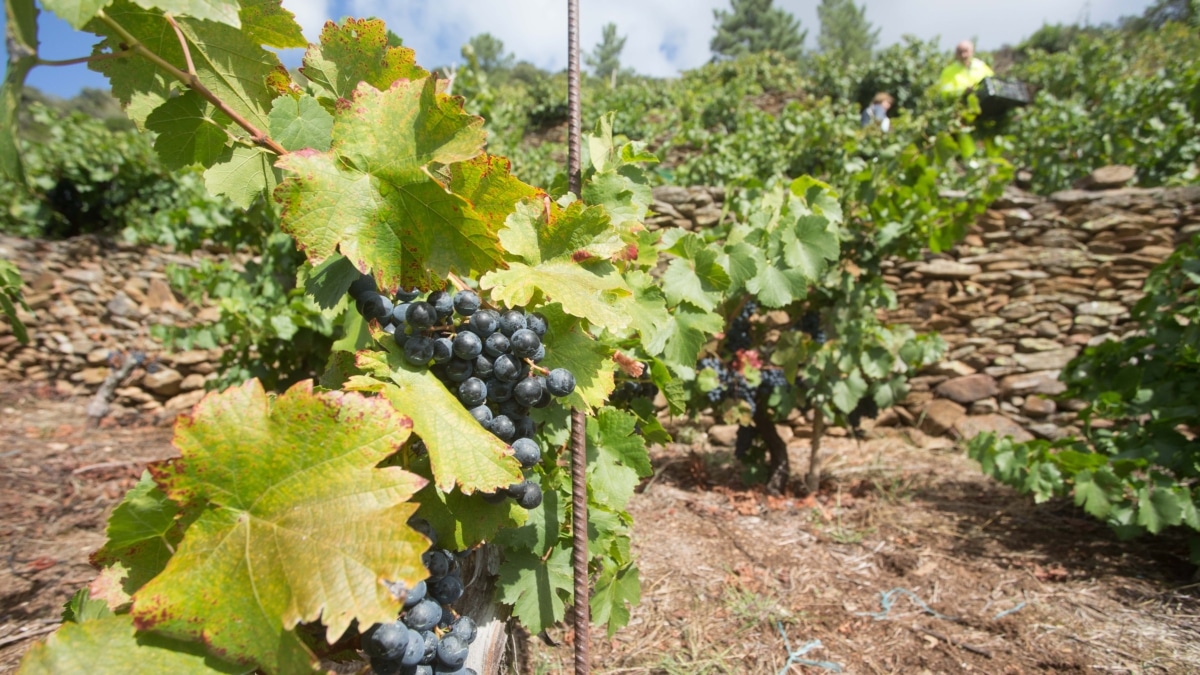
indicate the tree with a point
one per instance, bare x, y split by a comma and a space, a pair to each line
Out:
753, 26
489, 53
845, 35
605, 60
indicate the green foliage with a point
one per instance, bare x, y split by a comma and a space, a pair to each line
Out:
488, 52
1137, 463
846, 36
1112, 98
11, 298
754, 26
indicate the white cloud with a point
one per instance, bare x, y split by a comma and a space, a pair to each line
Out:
666, 36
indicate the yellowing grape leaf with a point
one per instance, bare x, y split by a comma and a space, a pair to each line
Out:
357, 51
595, 292
373, 197
462, 521
461, 451
298, 522
268, 23
108, 646
486, 182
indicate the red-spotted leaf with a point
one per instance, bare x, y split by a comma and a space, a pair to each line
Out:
298, 523
357, 51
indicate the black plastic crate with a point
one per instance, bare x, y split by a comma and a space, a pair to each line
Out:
997, 97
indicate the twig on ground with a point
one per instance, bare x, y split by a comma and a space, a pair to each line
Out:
951, 641
42, 630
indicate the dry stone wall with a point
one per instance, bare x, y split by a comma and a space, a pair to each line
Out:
1035, 281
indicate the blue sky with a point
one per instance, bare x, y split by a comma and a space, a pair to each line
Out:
664, 36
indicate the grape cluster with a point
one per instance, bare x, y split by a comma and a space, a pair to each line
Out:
810, 325
427, 638
487, 358
738, 335
734, 385
866, 408
628, 390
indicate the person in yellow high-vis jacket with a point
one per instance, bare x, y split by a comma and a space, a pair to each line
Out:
961, 76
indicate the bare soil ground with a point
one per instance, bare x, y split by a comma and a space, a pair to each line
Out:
730, 577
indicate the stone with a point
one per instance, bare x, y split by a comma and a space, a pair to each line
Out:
1108, 177
164, 381
940, 416
1042, 382
192, 382
1017, 310
1047, 431
970, 427
184, 402
672, 194
1038, 407
1100, 308
1054, 359
986, 323
91, 376
950, 368
1037, 344
723, 435
121, 305
188, 358
985, 406
160, 296
948, 269
968, 389
83, 276
1047, 329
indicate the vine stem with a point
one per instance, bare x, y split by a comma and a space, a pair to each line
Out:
579, 515
85, 59
191, 80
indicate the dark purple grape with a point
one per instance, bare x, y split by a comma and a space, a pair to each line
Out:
537, 323
507, 368
513, 409
447, 590
447, 617
464, 627
526, 427
386, 640
407, 296
421, 315
560, 382
483, 415
483, 323
424, 616
466, 302
546, 399
472, 392
524, 343
539, 354
458, 370
502, 427
467, 345
382, 666
400, 314
418, 350
443, 302
431, 643
512, 321
529, 391
531, 497
496, 344
377, 308
527, 452
362, 286
452, 651
443, 350
499, 391
483, 367
494, 497
415, 595
415, 651
421, 525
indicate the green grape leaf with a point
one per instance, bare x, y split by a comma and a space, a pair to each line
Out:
228, 62
461, 451
608, 535
680, 343
848, 390
372, 195
699, 280
357, 51
190, 131
142, 532
242, 174
268, 23
329, 282
299, 123
488, 184
617, 590
356, 334
1091, 496
82, 608
21, 35
75, 12
740, 263
648, 313
537, 234
109, 646
299, 523
776, 284
569, 346
461, 521
670, 386
537, 590
625, 201
808, 244
220, 11
595, 292
617, 457
1158, 508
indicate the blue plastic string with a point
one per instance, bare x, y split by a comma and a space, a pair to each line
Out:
1006, 612
795, 656
887, 601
